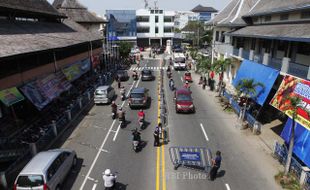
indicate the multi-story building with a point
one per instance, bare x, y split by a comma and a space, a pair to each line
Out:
183, 17
204, 14
79, 14
154, 27
122, 25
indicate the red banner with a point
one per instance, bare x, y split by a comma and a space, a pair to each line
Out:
291, 87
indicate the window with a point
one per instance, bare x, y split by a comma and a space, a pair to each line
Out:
303, 48
152, 11
156, 11
255, 19
143, 30
267, 18
217, 36
31, 181
222, 37
161, 11
142, 19
253, 43
156, 30
168, 19
156, 19
284, 16
167, 30
305, 14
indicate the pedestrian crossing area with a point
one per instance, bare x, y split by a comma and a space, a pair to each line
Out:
150, 68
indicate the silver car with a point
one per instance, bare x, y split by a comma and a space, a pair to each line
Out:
104, 95
47, 170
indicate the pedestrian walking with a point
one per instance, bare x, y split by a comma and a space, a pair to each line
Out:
119, 82
157, 134
216, 164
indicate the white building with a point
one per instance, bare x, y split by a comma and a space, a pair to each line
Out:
154, 27
183, 17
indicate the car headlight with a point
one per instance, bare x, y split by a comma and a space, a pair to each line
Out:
191, 106
178, 106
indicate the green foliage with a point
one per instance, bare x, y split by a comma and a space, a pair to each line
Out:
197, 32
287, 181
219, 66
207, 36
247, 87
124, 49
203, 64
194, 53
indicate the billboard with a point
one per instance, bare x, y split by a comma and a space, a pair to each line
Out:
291, 87
10, 96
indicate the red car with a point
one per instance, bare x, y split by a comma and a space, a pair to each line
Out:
188, 77
184, 101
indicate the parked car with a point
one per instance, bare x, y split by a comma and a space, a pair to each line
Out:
184, 101
146, 74
122, 75
188, 77
104, 94
46, 171
138, 97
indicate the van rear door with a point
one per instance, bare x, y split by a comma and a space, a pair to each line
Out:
30, 182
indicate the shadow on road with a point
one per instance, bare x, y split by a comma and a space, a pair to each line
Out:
221, 173
120, 186
72, 176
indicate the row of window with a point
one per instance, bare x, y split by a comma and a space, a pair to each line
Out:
157, 11
147, 30
284, 16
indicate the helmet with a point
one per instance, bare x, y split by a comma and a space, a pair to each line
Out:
120, 109
186, 82
113, 102
141, 110
107, 172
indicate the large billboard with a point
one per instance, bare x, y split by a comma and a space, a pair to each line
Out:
291, 87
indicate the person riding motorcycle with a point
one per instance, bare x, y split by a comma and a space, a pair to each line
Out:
122, 92
136, 135
171, 84
135, 75
109, 179
121, 114
170, 61
186, 85
141, 114
114, 107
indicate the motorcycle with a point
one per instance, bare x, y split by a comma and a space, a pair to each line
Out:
136, 140
123, 96
135, 77
113, 115
169, 74
141, 122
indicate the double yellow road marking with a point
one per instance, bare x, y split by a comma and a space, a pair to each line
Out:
160, 151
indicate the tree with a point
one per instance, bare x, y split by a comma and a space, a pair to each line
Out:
124, 49
220, 66
203, 64
295, 103
247, 89
195, 30
207, 37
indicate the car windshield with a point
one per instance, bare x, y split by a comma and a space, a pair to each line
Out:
101, 92
179, 60
30, 181
187, 74
146, 72
184, 97
136, 95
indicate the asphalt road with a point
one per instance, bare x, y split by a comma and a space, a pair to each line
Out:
100, 144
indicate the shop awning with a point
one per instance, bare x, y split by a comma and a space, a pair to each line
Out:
288, 32
11, 96
301, 141
259, 73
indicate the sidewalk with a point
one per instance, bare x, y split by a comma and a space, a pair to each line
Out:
265, 140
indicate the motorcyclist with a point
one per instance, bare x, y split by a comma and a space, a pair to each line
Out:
121, 114
135, 75
170, 61
109, 179
186, 85
136, 135
141, 114
122, 92
171, 84
114, 107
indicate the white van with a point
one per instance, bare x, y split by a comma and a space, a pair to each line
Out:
179, 61
46, 171
104, 95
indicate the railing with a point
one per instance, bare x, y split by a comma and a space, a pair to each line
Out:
298, 70
280, 153
275, 63
258, 58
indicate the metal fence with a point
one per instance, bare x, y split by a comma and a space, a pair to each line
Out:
280, 153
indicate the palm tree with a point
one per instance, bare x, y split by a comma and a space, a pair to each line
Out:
203, 65
295, 103
247, 88
220, 66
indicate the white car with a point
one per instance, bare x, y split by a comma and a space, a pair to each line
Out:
104, 95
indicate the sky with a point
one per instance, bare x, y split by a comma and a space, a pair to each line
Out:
99, 6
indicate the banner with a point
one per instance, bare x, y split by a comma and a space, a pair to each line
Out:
32, 92
11, 96
291, 87
77, 69
44, 90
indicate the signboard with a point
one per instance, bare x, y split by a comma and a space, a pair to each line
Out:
291, 87
77, 69
190, 156
32, 92
11, 96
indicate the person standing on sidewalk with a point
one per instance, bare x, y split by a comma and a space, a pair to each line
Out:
216, 164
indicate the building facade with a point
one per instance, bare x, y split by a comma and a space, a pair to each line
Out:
154, 27
204, 14
122, 25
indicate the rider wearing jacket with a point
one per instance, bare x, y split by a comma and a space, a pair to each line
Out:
109, 179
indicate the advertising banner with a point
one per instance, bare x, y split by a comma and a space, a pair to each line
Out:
11, 96
291, 87
190, 156
77, 69
32, 92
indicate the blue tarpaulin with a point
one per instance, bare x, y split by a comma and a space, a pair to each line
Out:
259, 73
301, 141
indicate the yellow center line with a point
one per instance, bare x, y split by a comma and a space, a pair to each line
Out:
158, 149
